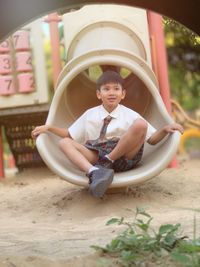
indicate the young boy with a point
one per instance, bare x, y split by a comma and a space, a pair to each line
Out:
108, 138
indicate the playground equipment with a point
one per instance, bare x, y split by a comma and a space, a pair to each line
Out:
104, 36
191, 126
22, 68
24, 91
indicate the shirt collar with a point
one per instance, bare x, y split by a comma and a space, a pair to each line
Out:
104, 113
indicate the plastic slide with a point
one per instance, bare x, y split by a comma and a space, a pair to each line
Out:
97, 40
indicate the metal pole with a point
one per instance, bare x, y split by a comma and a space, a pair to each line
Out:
53, 20
159, 61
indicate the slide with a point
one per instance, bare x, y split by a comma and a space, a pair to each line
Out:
104, 37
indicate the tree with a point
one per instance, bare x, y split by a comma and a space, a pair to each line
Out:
183, 49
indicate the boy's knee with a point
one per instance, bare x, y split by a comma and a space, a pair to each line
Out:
139, 127
63, 142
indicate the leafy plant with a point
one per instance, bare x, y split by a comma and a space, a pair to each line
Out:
140, 245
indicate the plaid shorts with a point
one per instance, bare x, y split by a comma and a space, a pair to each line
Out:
121, 164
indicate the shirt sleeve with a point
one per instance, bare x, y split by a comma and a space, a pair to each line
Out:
150, 130
77, 129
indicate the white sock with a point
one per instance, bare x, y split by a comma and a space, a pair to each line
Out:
109, 158
93, 168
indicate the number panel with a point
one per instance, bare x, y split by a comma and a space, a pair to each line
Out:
5, 64
7, 85
21, 40
24, 61
26, 82
5, 46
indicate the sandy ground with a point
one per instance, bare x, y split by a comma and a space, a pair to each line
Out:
45, 221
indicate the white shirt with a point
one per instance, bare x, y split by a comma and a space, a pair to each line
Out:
89, 124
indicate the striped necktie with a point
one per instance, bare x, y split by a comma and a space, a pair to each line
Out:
107, 120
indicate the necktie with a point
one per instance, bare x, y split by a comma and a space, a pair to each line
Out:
101, 137
107, 120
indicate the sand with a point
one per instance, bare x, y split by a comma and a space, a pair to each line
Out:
45, 221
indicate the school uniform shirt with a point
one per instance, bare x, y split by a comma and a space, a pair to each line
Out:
89, 124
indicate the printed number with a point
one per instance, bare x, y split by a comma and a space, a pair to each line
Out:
8, 83
32, 82
16, 38
7, 64
5, 44
29, 61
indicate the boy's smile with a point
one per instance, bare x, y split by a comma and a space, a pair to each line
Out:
111, 95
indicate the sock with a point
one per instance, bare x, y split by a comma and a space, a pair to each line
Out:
93, 168
109, 158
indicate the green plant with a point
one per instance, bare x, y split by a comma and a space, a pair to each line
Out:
140, 245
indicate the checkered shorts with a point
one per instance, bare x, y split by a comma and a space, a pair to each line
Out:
121, 164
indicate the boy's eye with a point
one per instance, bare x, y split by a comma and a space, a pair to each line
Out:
116, 88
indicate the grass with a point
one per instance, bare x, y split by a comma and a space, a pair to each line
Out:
142, 246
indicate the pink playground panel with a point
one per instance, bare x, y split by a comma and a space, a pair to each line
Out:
7, 85
26, 82
5, 64
24, 61
16, 69
5, 46
21, 40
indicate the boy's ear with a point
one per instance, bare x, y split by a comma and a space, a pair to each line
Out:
98, 94
123, 93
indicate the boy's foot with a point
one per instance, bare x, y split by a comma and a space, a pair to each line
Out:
100, 180
105, 162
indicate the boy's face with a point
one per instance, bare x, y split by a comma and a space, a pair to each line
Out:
111, 95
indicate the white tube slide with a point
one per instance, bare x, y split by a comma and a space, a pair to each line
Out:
100, 37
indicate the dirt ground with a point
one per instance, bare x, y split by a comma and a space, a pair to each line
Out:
45, 221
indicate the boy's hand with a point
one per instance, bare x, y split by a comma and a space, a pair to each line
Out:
160, 134
171, 128
38, 130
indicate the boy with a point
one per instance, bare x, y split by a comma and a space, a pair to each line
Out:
108, 138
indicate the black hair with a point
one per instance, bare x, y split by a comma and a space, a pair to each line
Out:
108, 77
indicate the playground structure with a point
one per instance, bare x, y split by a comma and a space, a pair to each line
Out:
24, 92
191, 126
140, 53
22, 68
97, 41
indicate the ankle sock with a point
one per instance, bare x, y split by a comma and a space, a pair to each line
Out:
106, 156
93, 168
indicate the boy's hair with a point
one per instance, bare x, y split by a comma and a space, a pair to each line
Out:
109, 76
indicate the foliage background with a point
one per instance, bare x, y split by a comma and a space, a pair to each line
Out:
183, 49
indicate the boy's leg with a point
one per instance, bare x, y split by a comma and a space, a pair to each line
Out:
78, 154
131, 142
82, 157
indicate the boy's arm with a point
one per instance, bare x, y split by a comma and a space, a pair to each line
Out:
161, 133
62, 132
